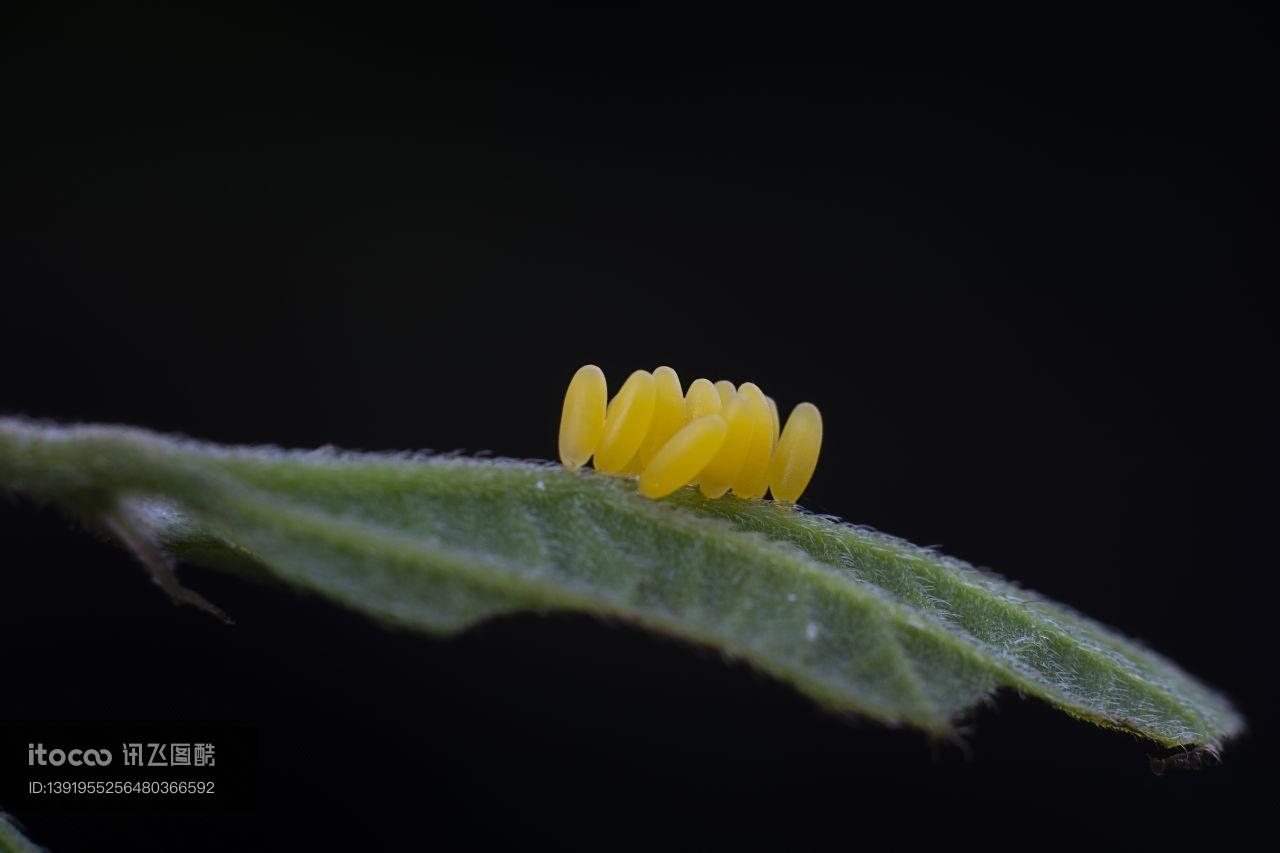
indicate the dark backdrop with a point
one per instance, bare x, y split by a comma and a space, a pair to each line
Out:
1016, 262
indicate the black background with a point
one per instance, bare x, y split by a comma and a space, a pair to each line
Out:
1018, 263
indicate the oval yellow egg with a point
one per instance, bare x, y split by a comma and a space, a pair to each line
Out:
701, 399
718, 475
753, 478
668, 418
797, 455
726, 391
582, 419
681, 458
626, 422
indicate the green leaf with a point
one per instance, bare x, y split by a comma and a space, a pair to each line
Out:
857, 620
11, 838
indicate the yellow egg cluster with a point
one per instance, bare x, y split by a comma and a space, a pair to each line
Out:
714, 436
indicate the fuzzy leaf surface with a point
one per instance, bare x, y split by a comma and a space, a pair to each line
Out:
857, 620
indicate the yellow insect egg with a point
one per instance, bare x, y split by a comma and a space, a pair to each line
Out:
718, 475
797, 453
773, 413
701, 399
668, 417
582, 421
753, 479
626, 422
681, 458
726, 390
